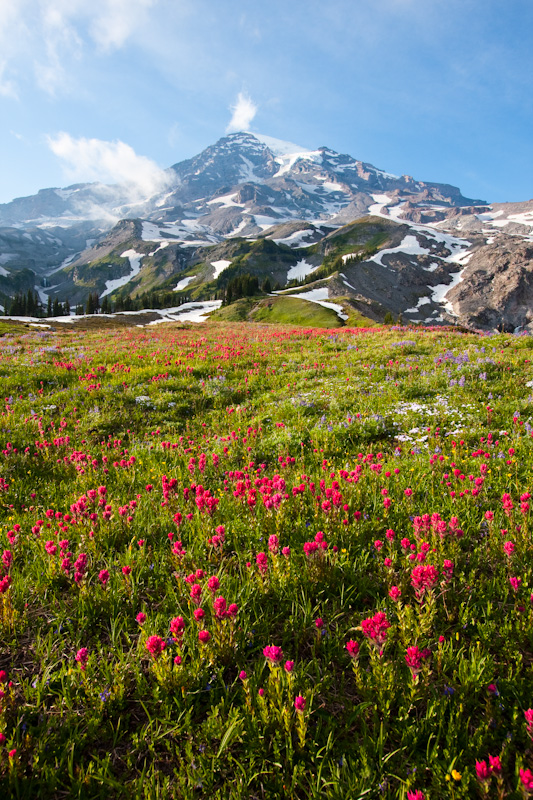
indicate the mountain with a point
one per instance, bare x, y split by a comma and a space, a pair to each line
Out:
252, 204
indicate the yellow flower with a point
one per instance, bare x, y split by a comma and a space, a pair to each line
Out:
456, 775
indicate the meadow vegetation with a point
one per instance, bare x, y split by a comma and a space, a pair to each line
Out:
249, 561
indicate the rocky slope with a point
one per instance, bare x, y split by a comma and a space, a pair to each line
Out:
256, 205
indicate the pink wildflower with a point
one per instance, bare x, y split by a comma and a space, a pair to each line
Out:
155, 646
262, 563
177, 627
273, 654
414, 659
495, 764
103, 577
204, 636
526, 776
395, 593
424, 577
220, 607
352, 648
141, 618
299, 703
82, 657
375, 629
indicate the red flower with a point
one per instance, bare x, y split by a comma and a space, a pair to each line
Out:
273, 654
155, 646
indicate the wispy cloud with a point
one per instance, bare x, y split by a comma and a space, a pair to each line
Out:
108, 162
243, 113
117, 20
61, 32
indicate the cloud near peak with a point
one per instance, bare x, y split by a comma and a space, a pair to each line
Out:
108, 162
243, 112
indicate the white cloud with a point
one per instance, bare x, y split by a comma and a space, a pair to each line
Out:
117, 20
51, 35
108, 162
244, 111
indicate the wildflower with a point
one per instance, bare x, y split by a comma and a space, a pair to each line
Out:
423, 577
289, 666
177, 660
495, 764
515, 583
103, 577
483, 771
375, 629
199, 614
353, 649
196, 593
286, 551
262, 563
273, 543
177, 626
509, 548
447, 569
155, 646
141, 618
220, 607
204, 636
242, 675
273, 654
526, 776
213, 584
82, 657
299, 703
416, 795
395, 593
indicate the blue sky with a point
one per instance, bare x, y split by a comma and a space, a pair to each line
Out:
438, 89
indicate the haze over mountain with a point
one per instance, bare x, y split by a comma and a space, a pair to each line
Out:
252, 204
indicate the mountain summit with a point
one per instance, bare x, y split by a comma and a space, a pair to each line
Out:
270, 208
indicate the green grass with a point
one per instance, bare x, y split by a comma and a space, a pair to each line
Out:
394, 464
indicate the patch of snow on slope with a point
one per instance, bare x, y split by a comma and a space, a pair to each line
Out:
441, 290
247, 172
380, 201
135, 264
188, 312
225, 201
277, 146
421, 302
242, 224
410, 245
348, 256
183, 283
219, 266
319, 296
300, 270
296, 239
346, 282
